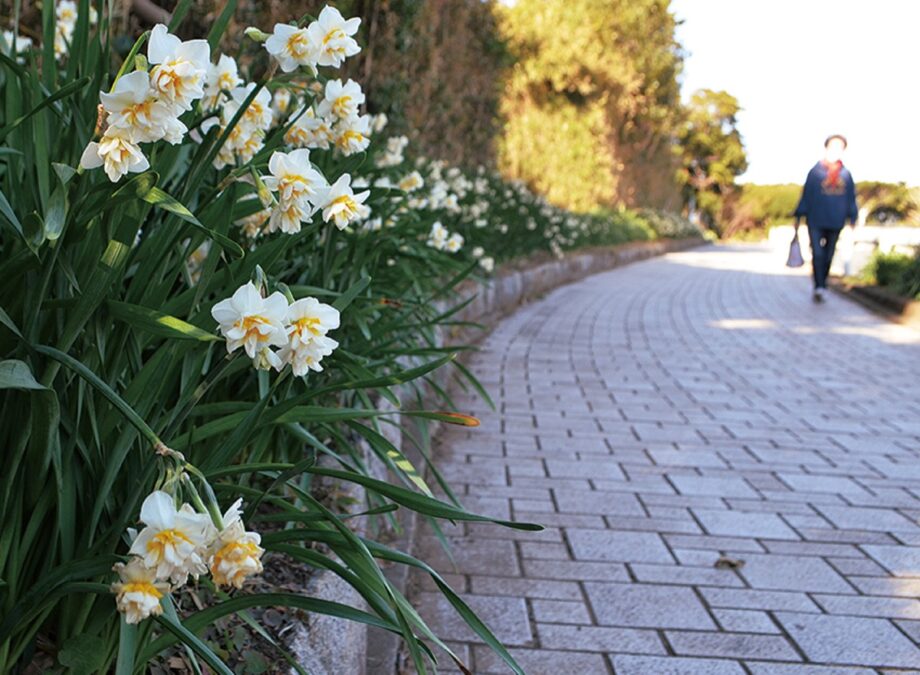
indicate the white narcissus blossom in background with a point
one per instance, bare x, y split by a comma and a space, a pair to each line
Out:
341, 100
454, 243
437, 238
379, 122
411, 182
117, 153
174, 541
236, 552
291, 47
259, 111
250, 321
478, 252
222, 76
332, 36
487, 263
308, 322
65, 14
309, 131
181, 68
342, 205
133, 106
353, 135
293, 177
281, 102
16, 44
138, 592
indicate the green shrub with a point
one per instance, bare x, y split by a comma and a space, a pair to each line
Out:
897, 271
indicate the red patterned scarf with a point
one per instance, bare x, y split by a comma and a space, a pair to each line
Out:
833, 172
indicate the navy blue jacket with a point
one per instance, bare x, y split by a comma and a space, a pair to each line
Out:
824, 206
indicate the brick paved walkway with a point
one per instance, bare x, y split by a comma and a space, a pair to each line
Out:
659, 416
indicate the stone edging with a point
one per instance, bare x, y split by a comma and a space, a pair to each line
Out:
892, 307
325, 645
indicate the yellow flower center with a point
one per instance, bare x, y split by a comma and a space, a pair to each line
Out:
334, 34
251, 324
298, 43
348, 136
340, 106
308, 324
346, 201
164, 538
226, 81
144, 587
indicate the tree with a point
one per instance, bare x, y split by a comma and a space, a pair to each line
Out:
593, 102
712, 152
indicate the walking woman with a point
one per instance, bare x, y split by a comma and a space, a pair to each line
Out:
828, 201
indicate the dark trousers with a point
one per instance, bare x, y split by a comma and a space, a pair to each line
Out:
823, 242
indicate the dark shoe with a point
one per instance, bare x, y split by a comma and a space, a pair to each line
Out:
818, 296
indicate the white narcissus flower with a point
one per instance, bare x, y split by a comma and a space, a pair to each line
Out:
352, 135
291, 47
259, 112
342, 205
174, 541
308, 322
332, 35
222, 76
236, 552
281, 101
250, 321
138, 592
437, 238
294, 178
288, 216
487, 263
341, 100
180, 67
117, 153
411, 182
380, 121
133, 106
478, 252
309, 131
309, 356
454, 243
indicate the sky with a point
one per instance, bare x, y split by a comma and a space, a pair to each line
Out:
804, 69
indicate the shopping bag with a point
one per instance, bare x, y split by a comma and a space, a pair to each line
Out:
795, 253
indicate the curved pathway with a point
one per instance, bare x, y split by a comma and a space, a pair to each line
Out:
663, 416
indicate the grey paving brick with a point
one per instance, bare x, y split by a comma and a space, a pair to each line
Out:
618, 546
897, 608
600, 639
860, 518
751, 599
850, 640
738, 524
901, 561
745, 621
732, 645
647, 606
758, 668
560, 611
540, 662
792, 573
625, 664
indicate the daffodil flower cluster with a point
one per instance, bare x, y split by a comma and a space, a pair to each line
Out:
65, 14
144, 107
441, 239
177, 543
298, 330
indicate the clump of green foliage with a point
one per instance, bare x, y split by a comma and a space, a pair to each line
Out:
899, 272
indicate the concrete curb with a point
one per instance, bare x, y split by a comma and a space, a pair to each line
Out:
884, 303
325, 645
